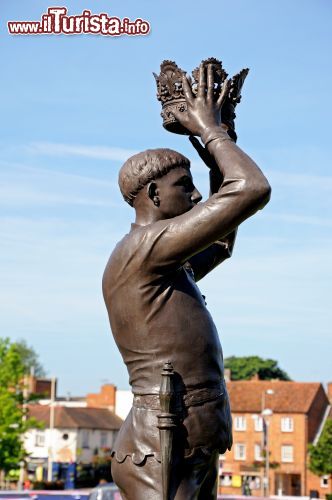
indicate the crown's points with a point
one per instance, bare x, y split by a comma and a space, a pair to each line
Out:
220, 74
236, 85
168, 61
211, 60
169, 66
169, 83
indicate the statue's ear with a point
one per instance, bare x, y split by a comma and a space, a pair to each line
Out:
151, 189
152, 192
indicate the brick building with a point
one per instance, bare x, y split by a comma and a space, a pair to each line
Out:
294, 413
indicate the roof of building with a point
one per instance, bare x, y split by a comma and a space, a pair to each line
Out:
287, 397
77, 418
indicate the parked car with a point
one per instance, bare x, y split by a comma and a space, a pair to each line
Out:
107, 491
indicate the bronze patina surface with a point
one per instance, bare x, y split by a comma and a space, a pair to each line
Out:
157, 313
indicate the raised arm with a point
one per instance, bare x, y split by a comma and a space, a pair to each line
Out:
243, 191
207, 260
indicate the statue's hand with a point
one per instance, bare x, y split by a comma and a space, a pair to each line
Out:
203, 111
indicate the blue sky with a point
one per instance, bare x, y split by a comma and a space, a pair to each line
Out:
75, 107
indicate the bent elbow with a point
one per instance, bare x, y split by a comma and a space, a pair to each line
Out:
258, 193
264, 194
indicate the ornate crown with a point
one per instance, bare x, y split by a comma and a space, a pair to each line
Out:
170, 92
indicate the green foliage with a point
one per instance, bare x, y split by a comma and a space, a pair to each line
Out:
320, 462
13, 421
244, 368
30, 358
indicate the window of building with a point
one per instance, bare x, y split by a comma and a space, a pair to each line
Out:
258, 424
258, 452
40, 438
226, 480
324, 481
287, 424
287, 453
103, 439
240, 451
85, 438
254, 482
240, 423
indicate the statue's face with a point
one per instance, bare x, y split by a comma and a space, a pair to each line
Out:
176, 192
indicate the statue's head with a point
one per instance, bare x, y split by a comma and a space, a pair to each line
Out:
159, 178
139, 170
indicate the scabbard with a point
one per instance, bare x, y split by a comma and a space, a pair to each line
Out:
167, 421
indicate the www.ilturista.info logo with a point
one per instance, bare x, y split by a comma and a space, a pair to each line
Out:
57, 22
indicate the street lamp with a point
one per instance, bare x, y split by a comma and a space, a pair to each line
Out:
51, 431
268, 392
266, 412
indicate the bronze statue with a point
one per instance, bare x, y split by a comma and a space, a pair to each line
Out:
156, 310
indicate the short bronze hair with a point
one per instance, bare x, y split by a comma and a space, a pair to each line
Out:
144, 167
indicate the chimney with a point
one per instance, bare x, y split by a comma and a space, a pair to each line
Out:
39, 386
104, 399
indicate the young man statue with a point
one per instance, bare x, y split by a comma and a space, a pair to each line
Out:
156, 310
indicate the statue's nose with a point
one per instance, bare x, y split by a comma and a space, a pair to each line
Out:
196, 196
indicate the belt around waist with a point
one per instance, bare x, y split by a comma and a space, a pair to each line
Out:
180, 399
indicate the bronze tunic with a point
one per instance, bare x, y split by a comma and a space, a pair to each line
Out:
158, 314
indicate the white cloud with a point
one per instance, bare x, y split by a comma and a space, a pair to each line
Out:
9, 170
97, 152
300, 219
23, 195
26, 185
303, 180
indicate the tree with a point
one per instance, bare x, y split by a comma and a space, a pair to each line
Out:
13, 418
244, 368
30, 359
320, 456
